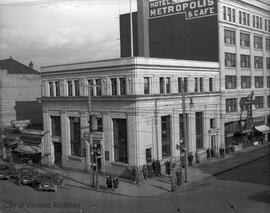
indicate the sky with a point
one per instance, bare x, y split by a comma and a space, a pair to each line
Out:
49, 32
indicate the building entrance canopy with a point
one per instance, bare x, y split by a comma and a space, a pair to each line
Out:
263, 129
27, 149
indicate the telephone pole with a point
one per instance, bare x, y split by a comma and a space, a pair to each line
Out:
186, 143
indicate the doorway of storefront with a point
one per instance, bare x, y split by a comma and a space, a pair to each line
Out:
58, 153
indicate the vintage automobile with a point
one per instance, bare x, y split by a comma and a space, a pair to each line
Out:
29, 175
7, 171
49, 182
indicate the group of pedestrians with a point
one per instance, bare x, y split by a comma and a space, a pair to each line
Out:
112, 183
151, 169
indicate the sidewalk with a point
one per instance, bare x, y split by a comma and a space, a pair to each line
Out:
159, 185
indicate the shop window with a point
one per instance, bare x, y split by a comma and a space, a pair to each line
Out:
259, 121
146, 85
245, 82
230, 82
56, 126
230, 60
231, 105
120, 140
75, 136
166, 136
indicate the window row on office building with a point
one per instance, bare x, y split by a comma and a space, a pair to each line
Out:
118, 86
231, 82
245, 62
245, 18
233, 104
259, 43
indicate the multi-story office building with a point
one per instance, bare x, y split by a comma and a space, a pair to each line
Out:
235, 33
138, 107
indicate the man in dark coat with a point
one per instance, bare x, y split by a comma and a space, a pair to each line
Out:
145, 171
168, 167
158, 168
109, 182
115, 182
154, 167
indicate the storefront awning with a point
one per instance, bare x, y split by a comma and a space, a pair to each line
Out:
27, 149
263, 129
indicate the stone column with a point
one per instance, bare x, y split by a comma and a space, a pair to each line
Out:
65, 137
47, 146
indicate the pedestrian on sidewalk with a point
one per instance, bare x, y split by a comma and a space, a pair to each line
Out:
109, 182
150, 170
135, 175
158, 168
145, 171
154, 167
168, 167
115, 182
208, 153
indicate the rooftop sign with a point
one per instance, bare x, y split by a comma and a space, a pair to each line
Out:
191, 8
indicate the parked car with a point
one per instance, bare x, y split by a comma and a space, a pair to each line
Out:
29, 175
48, 182
7, 171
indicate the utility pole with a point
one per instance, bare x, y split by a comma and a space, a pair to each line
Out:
131, 31
186, 143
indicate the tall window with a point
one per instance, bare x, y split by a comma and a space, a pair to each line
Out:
196, 86
181, 126
185, 84
231, 105
77, 88
166, 135
120, 140
75, 136
56, 125
146, 85
243, 106
51, 93
91, 86
259, 102
245, 61
201, 84
199, 129
258, 81
229, 37
123, 86
267, 63
114, 86
161, 85
230, 82
258, 62
258, 42
230, 60
57, 88
245, 82
268, 101
168, 85
244, 39
210, 84
268, 81
267, 44
98, 87
96, 123
70, 88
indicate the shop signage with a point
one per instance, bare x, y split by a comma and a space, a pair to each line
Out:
21, 124
191, 8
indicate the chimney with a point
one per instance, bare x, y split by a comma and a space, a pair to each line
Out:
31, 65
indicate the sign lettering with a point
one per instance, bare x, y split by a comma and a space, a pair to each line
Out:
191, 8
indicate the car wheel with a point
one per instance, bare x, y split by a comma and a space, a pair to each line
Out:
25, 180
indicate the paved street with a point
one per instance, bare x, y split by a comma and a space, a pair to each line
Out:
243, 189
